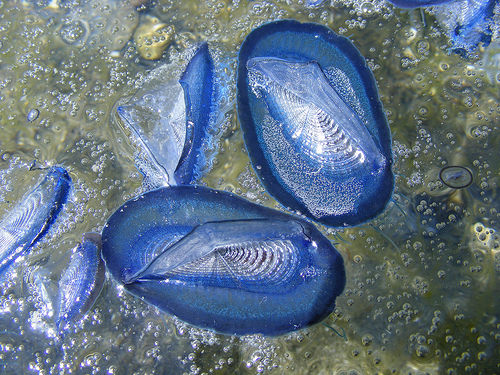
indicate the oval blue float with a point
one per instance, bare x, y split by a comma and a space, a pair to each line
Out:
313, 122
220, 262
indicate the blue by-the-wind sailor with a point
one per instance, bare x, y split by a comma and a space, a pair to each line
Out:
311, 3
30, 219
313, 122
410, 4
170, 122
81, 282
220, 262
466, 22
469, 22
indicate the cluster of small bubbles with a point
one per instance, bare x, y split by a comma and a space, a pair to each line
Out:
75, 31
487, 240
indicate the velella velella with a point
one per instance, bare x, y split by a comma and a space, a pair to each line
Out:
81, 282
32, 115
30, 219
313, 122
220, 262
468, 22
410, 4
171, 120
456, 177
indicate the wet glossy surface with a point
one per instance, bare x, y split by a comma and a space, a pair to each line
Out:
422, 278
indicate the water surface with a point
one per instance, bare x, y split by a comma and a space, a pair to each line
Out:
422, 278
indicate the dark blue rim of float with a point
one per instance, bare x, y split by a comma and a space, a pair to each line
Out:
323, 34
412, 4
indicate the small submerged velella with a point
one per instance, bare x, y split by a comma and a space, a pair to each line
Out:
466, 22
30, 219
313, 122
81, 282
456, 177
220, 262
33, 115
170, 120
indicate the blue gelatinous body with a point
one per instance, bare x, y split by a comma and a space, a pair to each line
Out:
220, 262
171, 120
82, 281
466, 22
30, 219
410, 4
469, 22
313, 122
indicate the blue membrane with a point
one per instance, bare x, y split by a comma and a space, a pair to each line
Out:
468, 22
171, 120
220, 262
410, 4
30, 219
81, 282
313, 123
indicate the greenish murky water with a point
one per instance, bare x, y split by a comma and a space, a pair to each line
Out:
422, 278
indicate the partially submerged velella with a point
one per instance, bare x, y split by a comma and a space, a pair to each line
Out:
410, 4
313, 123
81, 281
171, 119
220, 262
469, 22
30, 219
466, 22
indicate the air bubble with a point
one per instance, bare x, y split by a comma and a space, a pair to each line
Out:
73, 32
368, 9
422, 351
456, 177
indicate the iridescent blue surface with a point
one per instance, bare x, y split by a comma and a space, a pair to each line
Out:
30, 219
81, 282
313, 122
172, 126
220, 262
418, 3
468, 22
